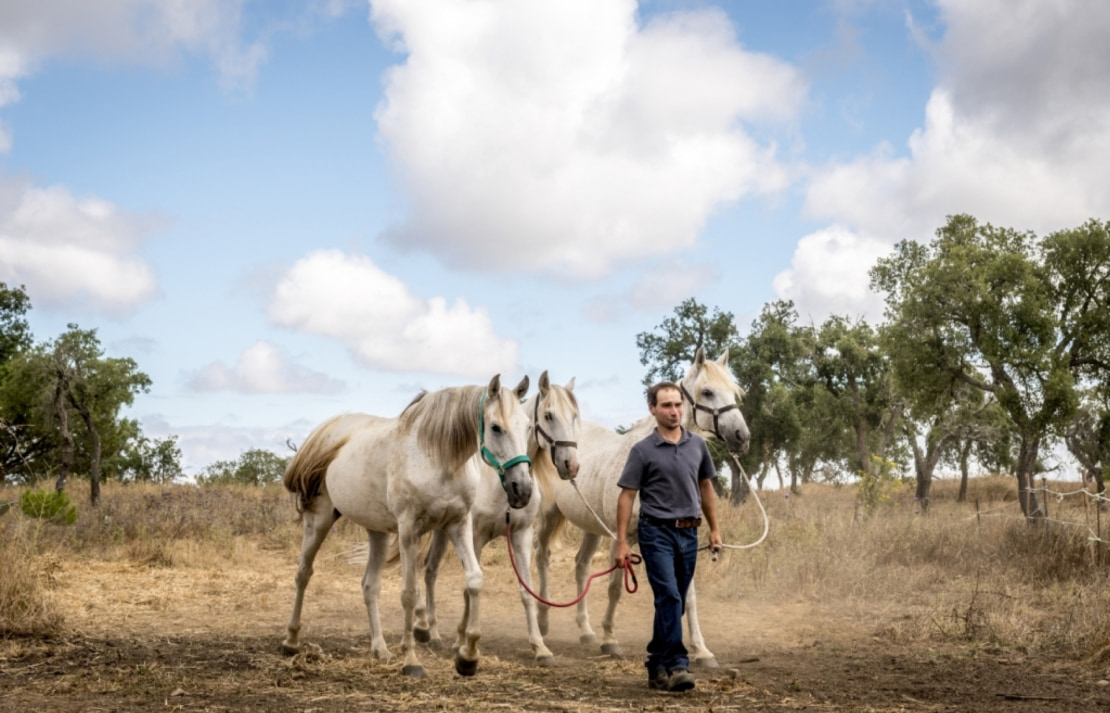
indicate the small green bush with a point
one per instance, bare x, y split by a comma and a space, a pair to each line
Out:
54, 507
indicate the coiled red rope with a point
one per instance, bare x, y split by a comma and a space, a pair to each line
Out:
629, 573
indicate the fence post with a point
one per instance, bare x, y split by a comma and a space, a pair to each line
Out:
1044, 489
978, 517
1098, 529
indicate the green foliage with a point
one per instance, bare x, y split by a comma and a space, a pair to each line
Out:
51, 506
671, 348
155, 460
15, 334
254, 467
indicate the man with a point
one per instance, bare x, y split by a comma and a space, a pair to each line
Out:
672, 472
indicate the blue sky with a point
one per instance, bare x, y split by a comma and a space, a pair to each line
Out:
288, 210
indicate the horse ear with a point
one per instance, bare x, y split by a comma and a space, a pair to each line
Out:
723, 360
699, 357
545, 383
570, 384
521, 389
494, 388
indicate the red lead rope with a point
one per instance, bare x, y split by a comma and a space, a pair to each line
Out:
629, 573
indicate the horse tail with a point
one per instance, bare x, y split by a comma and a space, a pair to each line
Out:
306, 471
393, 550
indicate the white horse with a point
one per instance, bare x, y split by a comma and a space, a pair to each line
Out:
553, 448
711, 396
409, 475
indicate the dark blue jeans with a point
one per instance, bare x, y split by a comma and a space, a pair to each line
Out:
670, 555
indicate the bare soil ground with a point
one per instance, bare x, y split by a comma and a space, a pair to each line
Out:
198, 639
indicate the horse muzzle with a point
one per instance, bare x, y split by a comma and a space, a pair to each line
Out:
518, 486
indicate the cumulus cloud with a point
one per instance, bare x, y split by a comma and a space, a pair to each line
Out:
1015, 132
662, 287
262, 369
565, 137
203, 445
137, 31
74, 250
828, 275
347, 297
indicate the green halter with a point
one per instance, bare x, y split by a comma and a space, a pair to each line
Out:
488, 455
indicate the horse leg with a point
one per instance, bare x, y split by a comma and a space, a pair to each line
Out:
547, 523
466, 656
426, 629
609, 644
317, 525
409, 542
522, 549
582, 562
371, 590
700, 655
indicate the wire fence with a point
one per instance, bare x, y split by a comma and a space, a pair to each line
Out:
1091, 504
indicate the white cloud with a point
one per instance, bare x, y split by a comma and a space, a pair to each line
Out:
560, 136
661, 287
149, 32
203, 445
262, 369
828, 275
349, 298
1015, 133
68, 250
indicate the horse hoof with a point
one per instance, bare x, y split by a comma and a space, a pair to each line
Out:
464, 667
422, 635
545, 661
414, 671
708, 662
587, 639
611, 650
287, 650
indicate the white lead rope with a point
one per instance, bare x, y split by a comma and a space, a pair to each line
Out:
574, 482
762, 511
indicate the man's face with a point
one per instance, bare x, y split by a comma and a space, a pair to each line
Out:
668, 408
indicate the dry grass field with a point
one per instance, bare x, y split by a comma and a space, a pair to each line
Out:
175, 598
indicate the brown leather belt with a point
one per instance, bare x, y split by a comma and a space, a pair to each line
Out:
665, 522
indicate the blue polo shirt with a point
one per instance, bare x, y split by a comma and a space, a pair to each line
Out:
668, 474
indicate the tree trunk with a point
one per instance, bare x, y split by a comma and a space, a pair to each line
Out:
94, 435
965, 457
1027, 492
740, 488
67, 437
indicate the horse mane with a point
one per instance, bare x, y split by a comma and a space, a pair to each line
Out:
446, 423
306, 470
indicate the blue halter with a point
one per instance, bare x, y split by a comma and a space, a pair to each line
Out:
488, 455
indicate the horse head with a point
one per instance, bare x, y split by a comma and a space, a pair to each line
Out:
503, 439
713, 398
555, 419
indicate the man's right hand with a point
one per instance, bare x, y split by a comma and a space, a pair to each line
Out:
623, 552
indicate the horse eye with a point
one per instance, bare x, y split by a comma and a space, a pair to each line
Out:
707, 393
548, 416
496, 429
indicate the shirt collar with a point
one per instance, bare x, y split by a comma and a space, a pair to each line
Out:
658, 440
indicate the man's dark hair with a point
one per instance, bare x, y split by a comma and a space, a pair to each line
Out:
654, 389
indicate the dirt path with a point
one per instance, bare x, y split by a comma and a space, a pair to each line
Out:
178, 639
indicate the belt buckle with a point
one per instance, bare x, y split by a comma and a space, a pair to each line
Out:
688, 522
